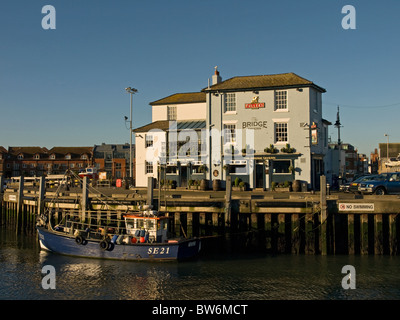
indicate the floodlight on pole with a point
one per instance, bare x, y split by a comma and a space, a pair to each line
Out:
131, 91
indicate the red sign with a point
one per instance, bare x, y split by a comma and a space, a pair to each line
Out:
254, 105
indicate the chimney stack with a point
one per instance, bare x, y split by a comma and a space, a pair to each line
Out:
216, 77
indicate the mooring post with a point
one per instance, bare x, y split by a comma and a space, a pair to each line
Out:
378, 233
150, 183
364, 234
228, 205
85, 198
295, 225
323, 238
350, 233
20, 201
393, 243
42, 192
1, 183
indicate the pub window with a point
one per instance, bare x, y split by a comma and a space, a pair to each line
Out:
281, 166
149, 140
281, 132
149, 167
229, 102
280, 100
229, 133
171, 113
171, 170
197, 169
238, 169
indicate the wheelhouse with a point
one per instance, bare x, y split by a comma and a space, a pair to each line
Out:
152, 227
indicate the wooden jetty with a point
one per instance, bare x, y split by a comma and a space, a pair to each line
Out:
231, 221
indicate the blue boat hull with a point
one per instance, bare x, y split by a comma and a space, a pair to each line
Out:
66, 245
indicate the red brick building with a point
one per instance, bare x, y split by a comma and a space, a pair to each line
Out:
39, 161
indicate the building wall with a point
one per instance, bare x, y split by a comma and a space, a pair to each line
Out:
304, 108
187, 111
147, 154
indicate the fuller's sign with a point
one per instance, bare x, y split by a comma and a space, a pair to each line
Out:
254, 104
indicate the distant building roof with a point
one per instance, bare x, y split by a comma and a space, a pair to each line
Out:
181, 98
282, 80
29, 151
71, 150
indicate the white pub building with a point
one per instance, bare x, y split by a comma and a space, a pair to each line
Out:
262, 130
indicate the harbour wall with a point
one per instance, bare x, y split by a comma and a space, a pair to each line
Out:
229, 220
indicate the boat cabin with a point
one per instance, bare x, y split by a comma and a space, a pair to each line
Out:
150, 227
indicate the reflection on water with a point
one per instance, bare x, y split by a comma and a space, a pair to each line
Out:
248, 277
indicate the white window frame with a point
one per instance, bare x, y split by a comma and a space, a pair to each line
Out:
171, 113
277, 125
280, 102
148, 167
230, 102
149, 140
231, 134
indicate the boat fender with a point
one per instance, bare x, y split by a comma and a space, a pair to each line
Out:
104, 245
79, 239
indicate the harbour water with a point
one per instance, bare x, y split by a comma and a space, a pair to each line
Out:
210, 277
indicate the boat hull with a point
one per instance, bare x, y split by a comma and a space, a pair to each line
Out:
66, 245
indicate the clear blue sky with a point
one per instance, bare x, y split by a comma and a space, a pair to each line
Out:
66, 87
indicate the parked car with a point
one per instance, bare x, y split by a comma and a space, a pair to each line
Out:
385, 183
353, 186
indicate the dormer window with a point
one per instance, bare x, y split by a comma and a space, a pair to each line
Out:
84, 157
52, 156
68, 157
20, 156
36, 157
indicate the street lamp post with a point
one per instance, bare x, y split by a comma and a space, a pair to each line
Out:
131, 91
387, 149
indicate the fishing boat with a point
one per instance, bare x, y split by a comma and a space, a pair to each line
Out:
138, 236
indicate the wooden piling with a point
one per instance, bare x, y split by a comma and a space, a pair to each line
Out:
350, 234
364, 248
150, 186
295, 237
281, 239
85, 198
324, 225
309, 233
394, 234
268, 231
378, 239
20, 199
